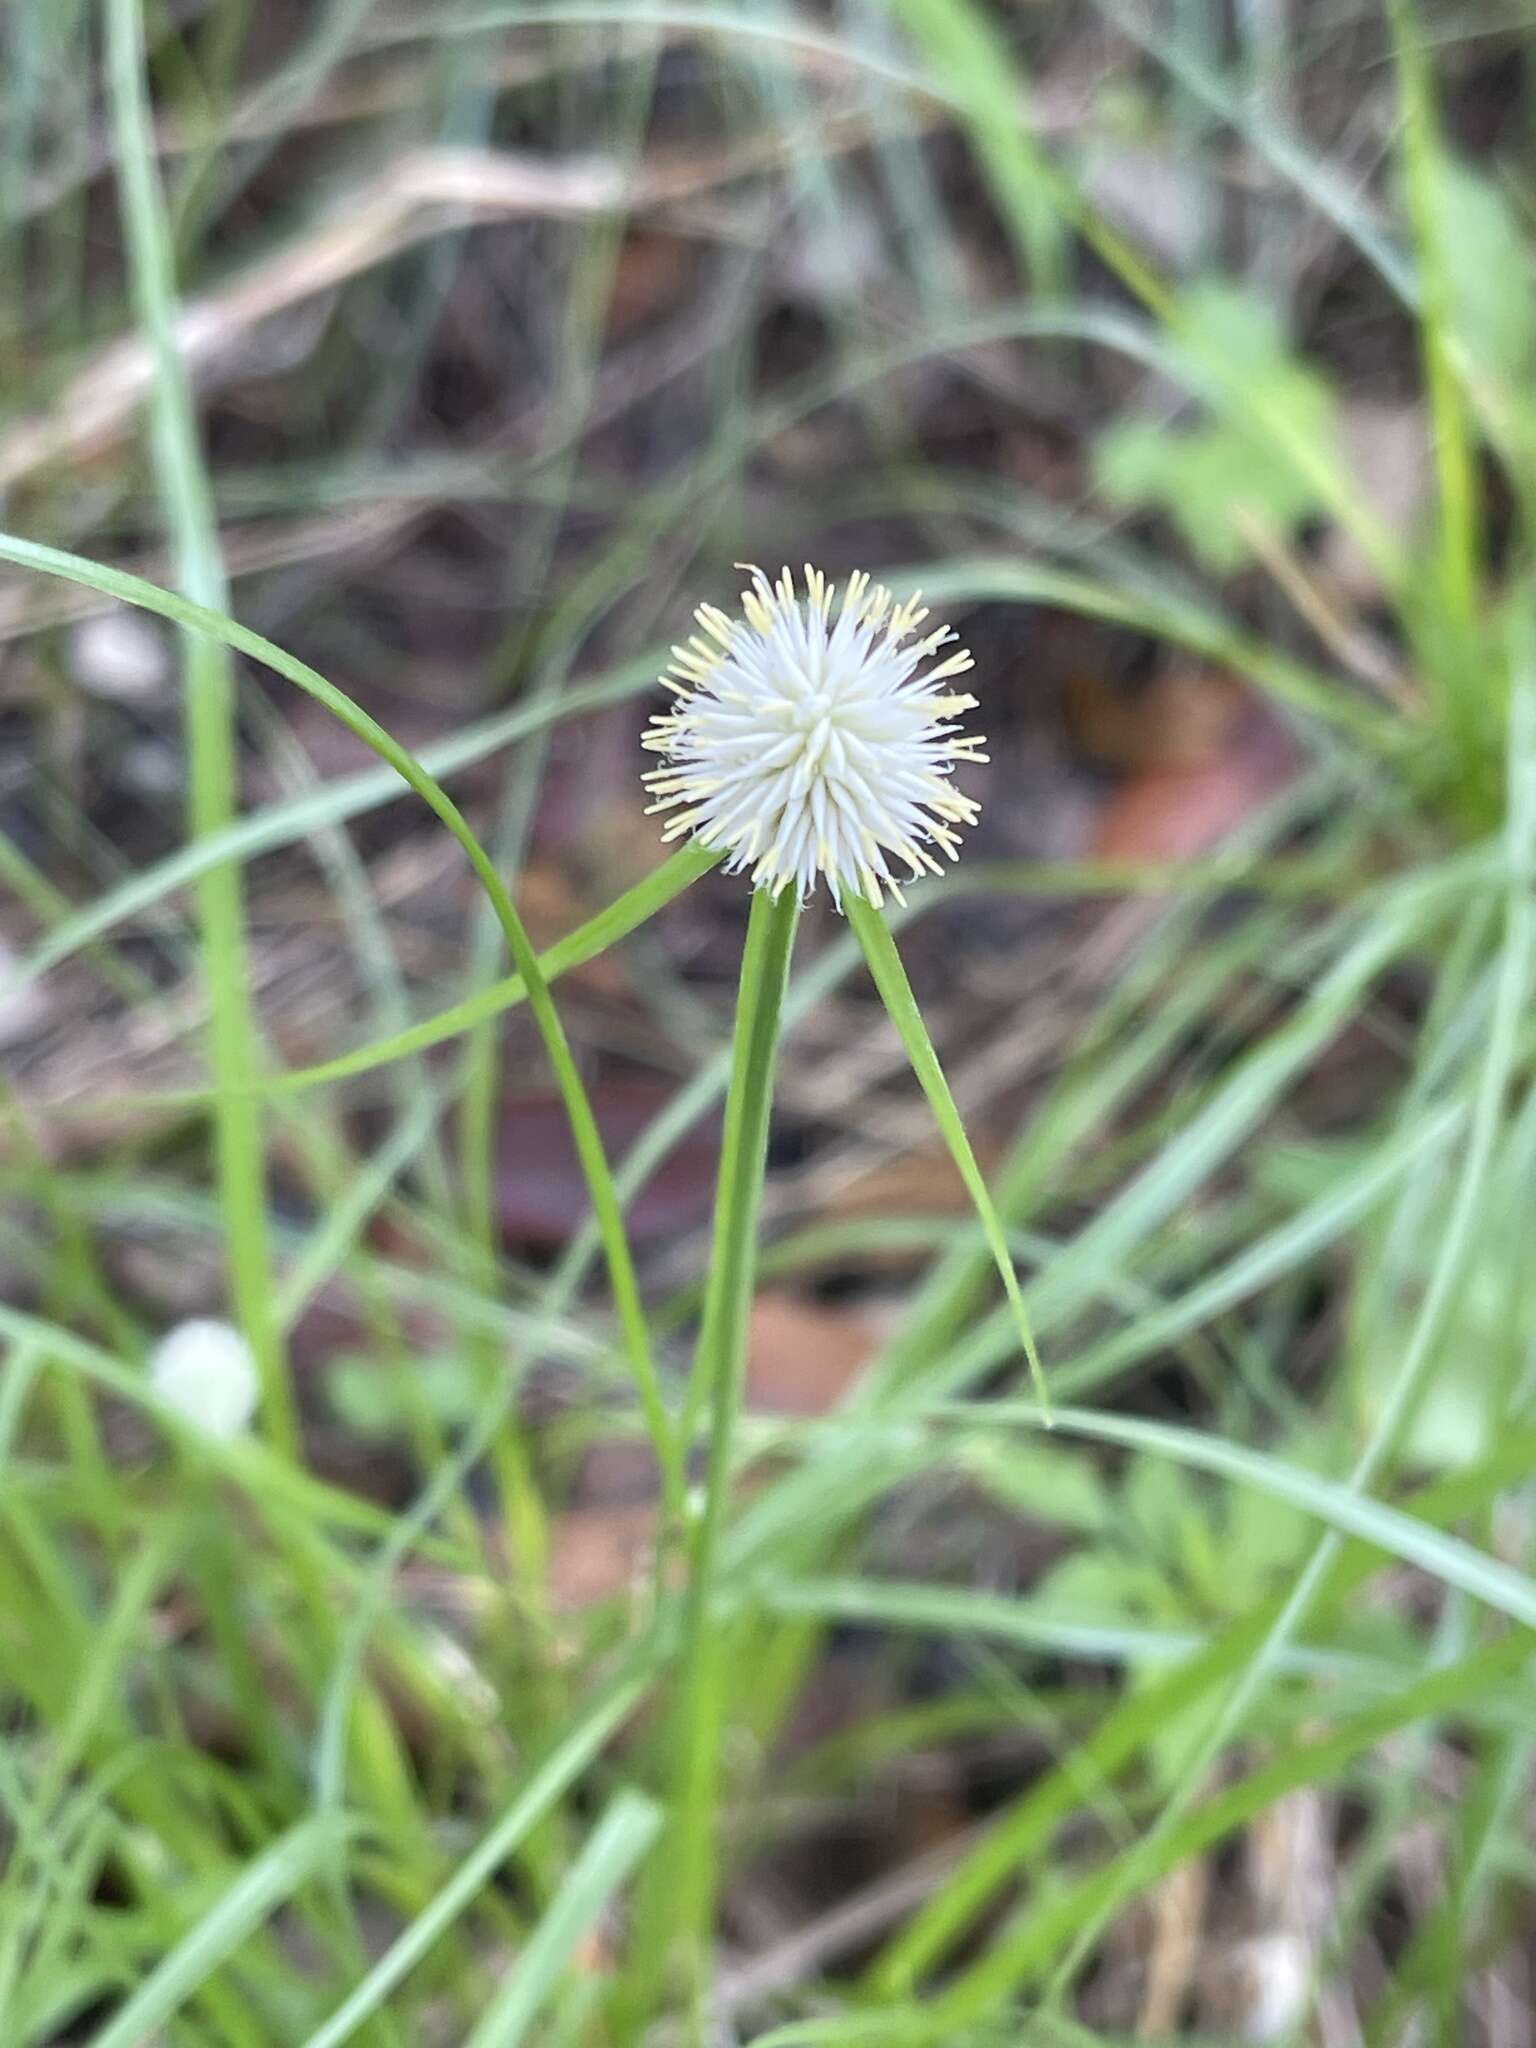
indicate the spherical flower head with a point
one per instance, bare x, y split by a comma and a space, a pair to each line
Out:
816, 737
204, 1370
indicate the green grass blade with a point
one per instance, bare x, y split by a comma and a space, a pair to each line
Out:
272, 1878
338, 1230
890, 978
209, 719
959, 1612
618, 1842
624, 915
896, 2027
548, 1783
967, 48
1450, 434
1342, 1507
24, 1361
1245, 1096
1341, 1207
1167, 616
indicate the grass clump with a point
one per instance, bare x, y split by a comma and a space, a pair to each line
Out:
1044, 1548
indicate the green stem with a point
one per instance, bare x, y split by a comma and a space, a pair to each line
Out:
688, 1870
1454, 661
209, 717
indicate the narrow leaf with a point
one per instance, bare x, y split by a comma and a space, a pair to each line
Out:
890, 978
475, 1872
270, 1880
621, 1838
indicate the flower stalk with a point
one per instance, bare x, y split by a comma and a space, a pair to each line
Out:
674, 1936
808, 741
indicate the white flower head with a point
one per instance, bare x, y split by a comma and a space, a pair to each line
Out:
803, 744
204, 1370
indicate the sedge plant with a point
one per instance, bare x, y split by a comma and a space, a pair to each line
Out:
813, 739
